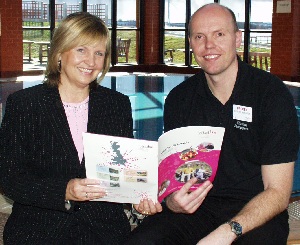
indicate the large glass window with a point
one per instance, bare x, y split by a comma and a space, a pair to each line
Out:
254, 19
176, 17
41, 17
261, 33
36, 30
174, 32
126, 31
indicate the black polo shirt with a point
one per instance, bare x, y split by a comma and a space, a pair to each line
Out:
260, 120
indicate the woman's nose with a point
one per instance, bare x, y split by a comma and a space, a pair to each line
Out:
90, 59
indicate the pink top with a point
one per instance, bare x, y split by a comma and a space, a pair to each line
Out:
77, 115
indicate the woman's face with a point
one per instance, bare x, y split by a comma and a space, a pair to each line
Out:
82, 64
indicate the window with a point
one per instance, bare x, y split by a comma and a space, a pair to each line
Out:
175, 33
176, 17
261, 31
127, 31
254, 18
41, 17
36, 29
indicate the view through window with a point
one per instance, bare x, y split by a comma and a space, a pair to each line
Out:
39, 23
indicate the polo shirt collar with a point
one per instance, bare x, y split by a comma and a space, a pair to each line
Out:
242, 74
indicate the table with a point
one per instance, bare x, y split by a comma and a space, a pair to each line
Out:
29, 43
170, 52
43, 49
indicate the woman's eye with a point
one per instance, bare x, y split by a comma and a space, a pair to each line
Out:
100, 53
80, 50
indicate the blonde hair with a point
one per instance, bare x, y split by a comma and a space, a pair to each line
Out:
76, 29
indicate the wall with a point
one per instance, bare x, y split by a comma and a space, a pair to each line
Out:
152, 32
286, 43
11, 39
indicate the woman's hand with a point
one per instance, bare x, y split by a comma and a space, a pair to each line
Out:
84, 190
147, 207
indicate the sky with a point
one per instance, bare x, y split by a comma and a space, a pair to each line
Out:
126, 8
261, 9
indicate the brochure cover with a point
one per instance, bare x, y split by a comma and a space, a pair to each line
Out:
133, 169
185, 153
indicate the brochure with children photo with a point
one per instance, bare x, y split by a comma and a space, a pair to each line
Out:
133, 169
185, 153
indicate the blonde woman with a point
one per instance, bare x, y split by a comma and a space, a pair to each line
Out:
41, 151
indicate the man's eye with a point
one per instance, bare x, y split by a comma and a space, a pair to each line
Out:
220, 34
199, 37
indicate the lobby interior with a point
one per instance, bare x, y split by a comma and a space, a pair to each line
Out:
148, 80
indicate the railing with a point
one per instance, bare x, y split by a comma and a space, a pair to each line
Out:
261, 40
38, 11
260, 60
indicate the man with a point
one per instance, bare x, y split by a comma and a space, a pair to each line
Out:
247, 202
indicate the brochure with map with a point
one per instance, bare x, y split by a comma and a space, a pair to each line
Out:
134, 169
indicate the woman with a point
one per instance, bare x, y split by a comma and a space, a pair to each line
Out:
42, 166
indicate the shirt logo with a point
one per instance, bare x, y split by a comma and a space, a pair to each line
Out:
241, 125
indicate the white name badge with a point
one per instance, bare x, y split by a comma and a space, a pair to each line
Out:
242, 113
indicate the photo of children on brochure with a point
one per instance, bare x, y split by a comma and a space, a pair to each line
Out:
190, 168
194, 168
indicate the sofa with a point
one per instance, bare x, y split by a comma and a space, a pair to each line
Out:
5, 210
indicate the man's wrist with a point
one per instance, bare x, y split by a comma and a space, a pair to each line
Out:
235, 228
226, 232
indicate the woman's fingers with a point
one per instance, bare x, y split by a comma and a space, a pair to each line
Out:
147, 207
84, 190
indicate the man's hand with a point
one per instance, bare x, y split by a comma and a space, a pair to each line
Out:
186, 201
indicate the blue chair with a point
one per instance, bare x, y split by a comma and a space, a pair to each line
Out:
294, 207
296, 184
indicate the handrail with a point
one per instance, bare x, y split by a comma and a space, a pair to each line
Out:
258, 59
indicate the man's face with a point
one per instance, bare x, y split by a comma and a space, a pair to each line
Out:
214, 40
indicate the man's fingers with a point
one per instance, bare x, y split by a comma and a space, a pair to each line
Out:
187, 186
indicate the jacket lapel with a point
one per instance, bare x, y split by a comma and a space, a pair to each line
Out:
57, 120
97, 105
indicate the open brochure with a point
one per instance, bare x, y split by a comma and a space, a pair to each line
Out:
133, 169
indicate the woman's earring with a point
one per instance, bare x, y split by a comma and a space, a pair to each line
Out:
59, 66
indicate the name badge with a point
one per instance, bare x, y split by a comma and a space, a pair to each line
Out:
242, 113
